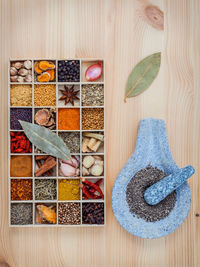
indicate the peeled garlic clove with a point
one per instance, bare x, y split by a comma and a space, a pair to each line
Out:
28, 78
13, 78
20, 79
94, 72
18, 65
13, 71
88, 161
28, 64
67, 170
96, 170
23, 72
73, 162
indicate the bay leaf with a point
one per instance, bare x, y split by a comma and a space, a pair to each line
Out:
142, 75
46, 140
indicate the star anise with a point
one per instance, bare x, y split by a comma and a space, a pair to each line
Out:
69, 95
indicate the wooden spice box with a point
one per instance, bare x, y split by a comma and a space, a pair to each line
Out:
28, 179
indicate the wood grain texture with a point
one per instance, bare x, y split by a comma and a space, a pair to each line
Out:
116, 31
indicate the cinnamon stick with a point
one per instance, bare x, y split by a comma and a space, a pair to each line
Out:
48, 164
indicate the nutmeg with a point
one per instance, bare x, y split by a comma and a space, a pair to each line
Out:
20, 79
28, 78
18, 65
13, 78
13, 71
23, 72
28, 64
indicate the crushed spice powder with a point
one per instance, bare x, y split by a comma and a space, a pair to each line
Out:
45, 95
21, 189
21, 166
68, 189
20, 95
69, 119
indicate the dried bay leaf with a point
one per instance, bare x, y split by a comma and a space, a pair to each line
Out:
46, 140
142, 75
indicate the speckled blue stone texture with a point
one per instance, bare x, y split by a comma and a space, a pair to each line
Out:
152, 148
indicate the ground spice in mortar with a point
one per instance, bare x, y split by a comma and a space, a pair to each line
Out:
72, 140
21, 189
69, 189
21, 95
92, 118
45, 95
69, 119
69, 213
21, 213
16, 114
92, 95
135, 196
45, 189
21, 166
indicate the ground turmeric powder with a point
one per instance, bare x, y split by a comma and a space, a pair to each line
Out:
69, 119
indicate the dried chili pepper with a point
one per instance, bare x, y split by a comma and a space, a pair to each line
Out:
19, 143
98, 182
96, 187
88, 194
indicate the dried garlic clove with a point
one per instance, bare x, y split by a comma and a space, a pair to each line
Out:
88, 161
13, 71
20, 79
14, 78
28, 78
18, 65
23, 72
72, 162
67, 170
96, 170
28, 64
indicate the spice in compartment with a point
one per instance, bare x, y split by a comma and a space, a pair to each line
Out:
46, 117
19, 143
21, 189
93, 213
92, 142
45, 189
21, 71
21, 95
92, 95
45, 165
16, 114
45, 95
69, 189
72, 140
44, 71
21, 213
69, 95
92, 118
69, 213
45, 213
69, 119
21, 166
92, 189
68, 70
93, 165
69, 168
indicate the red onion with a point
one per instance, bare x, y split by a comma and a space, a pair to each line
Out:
93, 72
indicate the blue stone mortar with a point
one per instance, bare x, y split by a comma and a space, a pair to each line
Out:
152, 148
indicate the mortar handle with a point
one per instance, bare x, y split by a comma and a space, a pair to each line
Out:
160, 190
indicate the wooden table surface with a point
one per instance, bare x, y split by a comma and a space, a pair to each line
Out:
116, 31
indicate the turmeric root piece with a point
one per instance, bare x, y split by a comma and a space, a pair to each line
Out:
42, 117
52, 74
44, 77
46, 65
37, 69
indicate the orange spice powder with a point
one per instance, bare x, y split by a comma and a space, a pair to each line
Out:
69, 119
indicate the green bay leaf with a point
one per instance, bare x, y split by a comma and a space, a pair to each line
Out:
142, 75
46, 140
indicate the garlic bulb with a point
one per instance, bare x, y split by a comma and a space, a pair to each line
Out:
28, 78
67, 170
14, 78
23, 72
28, 64
13, 71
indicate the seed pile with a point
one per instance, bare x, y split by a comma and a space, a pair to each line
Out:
92, 118
24, 114
93, 213
45, 189
69, 119
135, 196
69, 213
69, 189
20, 95
68, 70
21, 213
92, 95
72, 140
21, 189
45, 95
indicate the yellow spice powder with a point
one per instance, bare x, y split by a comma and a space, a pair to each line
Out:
20, 95
45, 95
68, 189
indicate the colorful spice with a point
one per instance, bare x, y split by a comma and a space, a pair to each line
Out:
69, 213
92, 95
45, 213
94, 72
44, 71
21, 71
69, 95
45, 165
72, 140
45, 95
69, 119
68, 70
19, 143
88, 193
21, 189
69, 189
92, 118
45, 189
46, 117
20, 95
24, 114
93, 213
21, 166
21, 213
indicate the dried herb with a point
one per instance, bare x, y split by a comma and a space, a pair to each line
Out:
46, 140
142, 75
72, 140
45, 189
21, 213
